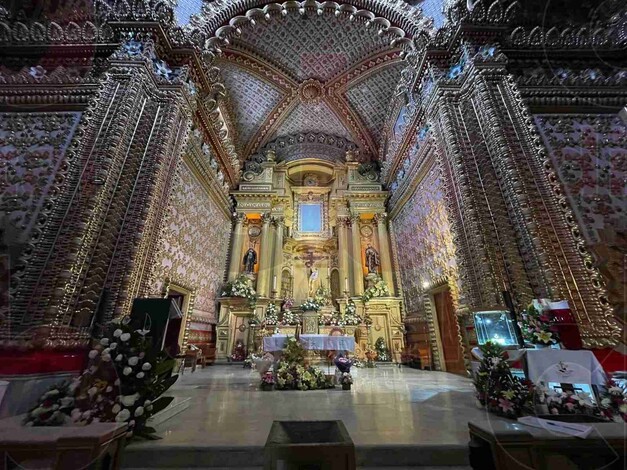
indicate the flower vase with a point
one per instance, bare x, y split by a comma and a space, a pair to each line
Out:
267, 387
346, 386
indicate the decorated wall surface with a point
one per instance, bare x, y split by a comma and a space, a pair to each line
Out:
590, 161
194, 244
590, 158
33, 167
424, 243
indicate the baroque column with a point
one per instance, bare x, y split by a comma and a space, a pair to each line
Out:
358, 271
384, 249
236, 246
279, 223
342, 240
265, 252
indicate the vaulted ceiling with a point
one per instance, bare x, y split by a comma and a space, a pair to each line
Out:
303, 74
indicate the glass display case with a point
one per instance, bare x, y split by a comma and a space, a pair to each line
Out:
496, 326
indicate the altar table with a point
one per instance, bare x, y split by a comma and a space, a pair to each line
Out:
557, 365
312, 343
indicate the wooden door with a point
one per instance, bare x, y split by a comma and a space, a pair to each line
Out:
448, 333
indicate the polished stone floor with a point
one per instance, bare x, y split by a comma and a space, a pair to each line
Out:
387, 406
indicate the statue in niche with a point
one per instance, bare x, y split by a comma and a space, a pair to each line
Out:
372, 260
250, 260
313, 281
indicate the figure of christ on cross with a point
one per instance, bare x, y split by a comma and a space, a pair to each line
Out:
313, 274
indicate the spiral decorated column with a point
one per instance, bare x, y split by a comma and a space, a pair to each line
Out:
277, 263
384, 249
236, 246
342, 236
358, 272
265, 260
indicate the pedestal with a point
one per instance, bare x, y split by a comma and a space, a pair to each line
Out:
310, 322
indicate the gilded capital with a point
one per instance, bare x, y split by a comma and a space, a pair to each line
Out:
343, 220
266, 218
278, 221
380, 218
239, 218
355, 219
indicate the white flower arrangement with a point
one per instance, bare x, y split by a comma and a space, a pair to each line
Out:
290, 318
272, 314
310, 305
240, 287
379, 289
350, 314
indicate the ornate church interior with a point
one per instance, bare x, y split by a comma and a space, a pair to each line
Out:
313, 234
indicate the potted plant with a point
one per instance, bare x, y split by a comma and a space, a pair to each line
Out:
267, 381
346, 380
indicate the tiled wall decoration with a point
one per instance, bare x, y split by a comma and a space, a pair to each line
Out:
589, 154
194, 244
424, 243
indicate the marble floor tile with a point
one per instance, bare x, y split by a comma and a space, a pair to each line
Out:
387, 406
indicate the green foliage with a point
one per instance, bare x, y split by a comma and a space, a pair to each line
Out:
294, 351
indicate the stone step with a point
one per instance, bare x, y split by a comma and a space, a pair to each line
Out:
178, 405
451, 457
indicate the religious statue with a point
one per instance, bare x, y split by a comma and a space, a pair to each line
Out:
313, 280
372, 260
250, 260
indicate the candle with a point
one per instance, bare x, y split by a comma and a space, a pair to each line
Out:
274, 283
346, 284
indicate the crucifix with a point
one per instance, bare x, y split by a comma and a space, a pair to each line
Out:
313, 272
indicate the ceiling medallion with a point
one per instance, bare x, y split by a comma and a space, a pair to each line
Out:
310, 91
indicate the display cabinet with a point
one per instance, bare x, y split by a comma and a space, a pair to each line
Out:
496, 326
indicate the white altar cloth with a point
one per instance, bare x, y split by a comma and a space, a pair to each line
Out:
274, 342
328, 343
561, 365
312, 342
